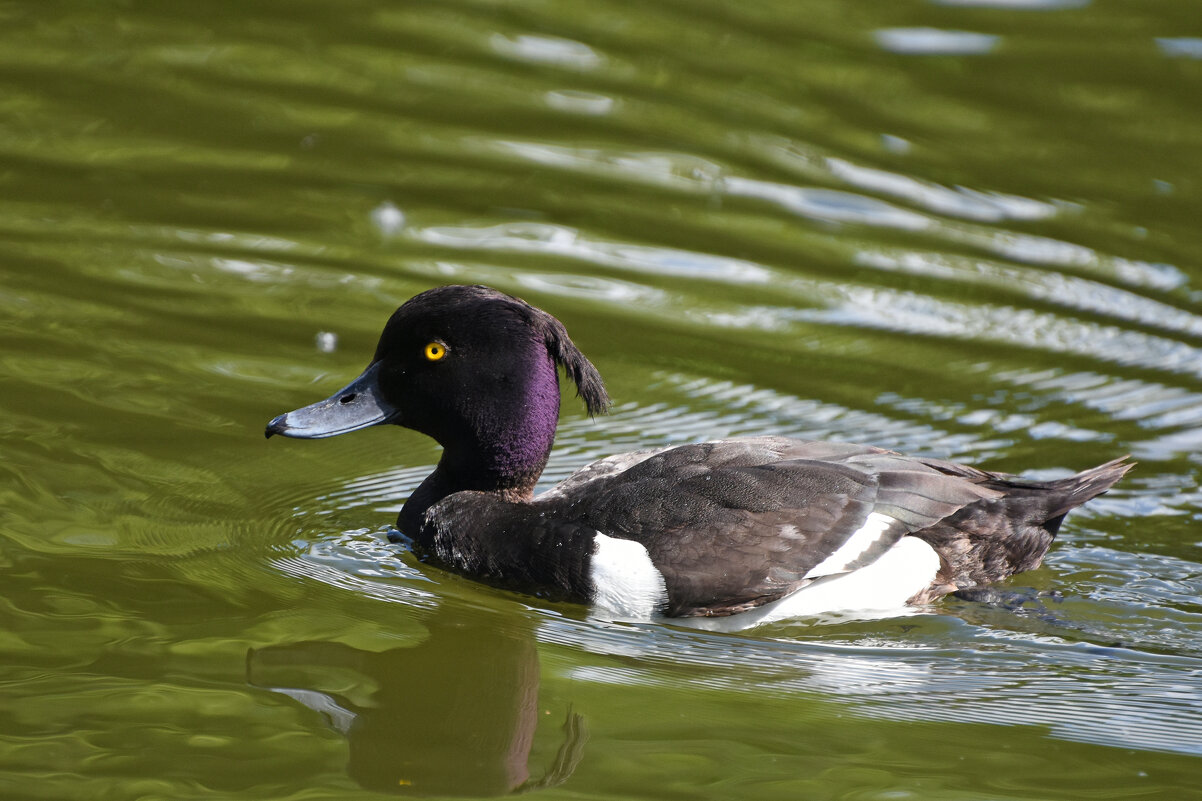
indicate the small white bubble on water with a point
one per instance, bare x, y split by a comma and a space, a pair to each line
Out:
387, 218
327, 342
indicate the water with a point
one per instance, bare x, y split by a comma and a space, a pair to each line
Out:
965, 229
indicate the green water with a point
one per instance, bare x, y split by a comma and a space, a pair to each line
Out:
963, 229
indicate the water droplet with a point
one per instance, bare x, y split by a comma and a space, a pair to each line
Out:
327, 342
387, 218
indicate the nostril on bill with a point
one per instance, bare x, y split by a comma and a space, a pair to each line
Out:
348, 398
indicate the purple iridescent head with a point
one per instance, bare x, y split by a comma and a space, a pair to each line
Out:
475, 369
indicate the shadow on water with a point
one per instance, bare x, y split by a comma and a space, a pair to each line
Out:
455, 714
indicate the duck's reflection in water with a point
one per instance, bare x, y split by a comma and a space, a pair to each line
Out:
454, 715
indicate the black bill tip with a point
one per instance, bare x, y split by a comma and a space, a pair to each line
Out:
279, 425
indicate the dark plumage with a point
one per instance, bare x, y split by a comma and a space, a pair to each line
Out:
724, 527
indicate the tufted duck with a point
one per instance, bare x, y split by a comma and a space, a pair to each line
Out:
724, 534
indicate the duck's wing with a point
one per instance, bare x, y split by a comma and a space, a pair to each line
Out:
600, 469
736, 524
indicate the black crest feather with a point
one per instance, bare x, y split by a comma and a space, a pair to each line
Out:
589, 386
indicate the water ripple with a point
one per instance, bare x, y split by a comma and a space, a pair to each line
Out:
1152, 703
828, 205
958, 202
1066, 290
540, 238
874, 307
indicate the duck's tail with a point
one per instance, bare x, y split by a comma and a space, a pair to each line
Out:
997, 537
1066, 494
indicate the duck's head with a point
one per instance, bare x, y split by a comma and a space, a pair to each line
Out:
471, 367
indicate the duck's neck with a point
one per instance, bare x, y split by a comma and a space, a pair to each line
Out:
501, 449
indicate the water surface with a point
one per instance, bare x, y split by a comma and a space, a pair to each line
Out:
964, 229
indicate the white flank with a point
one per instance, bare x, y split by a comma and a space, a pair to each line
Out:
881, 587
625, 582
860, 541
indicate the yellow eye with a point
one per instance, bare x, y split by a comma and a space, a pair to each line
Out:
435, 351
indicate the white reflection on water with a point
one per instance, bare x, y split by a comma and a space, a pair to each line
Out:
592, 288
578, 102
688, 173
1080, 694
935, 41
876, 307
547, 50
1152, 405
958, 202
830, 205
677, 170
1059, 288
560, 240
1181, 46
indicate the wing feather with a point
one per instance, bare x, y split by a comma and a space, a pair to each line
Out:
739, 523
